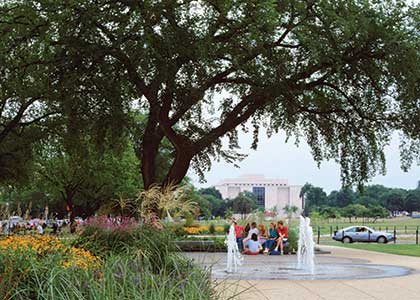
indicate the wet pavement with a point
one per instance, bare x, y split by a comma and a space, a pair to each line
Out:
345, 274
267, 267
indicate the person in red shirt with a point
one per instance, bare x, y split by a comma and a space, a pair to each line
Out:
283, 234
238, 232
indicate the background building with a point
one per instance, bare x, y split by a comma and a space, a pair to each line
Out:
269, 192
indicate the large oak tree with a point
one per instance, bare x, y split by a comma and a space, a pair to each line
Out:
342, 75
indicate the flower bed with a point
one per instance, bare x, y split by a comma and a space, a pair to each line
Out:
38, 247
202, 230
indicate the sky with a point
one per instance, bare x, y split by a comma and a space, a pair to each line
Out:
275, 158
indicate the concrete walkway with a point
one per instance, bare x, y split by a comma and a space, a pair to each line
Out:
398, 288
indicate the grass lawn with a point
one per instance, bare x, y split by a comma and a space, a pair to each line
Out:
402, 224
409, 250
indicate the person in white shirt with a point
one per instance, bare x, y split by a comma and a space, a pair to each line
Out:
253, 230
40, 229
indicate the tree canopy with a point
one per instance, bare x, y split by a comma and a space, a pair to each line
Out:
244, 203
340, 74
374, 201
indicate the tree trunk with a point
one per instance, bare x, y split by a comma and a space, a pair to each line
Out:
178, 170
148, 166
150, 149
68, 196
70, 206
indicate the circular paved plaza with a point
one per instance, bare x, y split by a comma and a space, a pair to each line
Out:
341, 274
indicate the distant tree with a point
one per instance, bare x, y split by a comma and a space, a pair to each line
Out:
329, 212
377, 212
412, 201
81, 178
211, 191
394, 200
204, 206
290, 211
315, 217
354, 211
228, 212
314, 197
244, 203
217, 206
341, 198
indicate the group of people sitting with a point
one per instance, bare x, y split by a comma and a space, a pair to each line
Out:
255, 239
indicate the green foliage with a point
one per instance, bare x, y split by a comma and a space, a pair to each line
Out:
293, 239
354, 210
211, 191
189, 220
377, 212
244, 203
176, 230
121, 277
217, 206
226, 228
228, 213
412, 200
315, 216
313, 197
150, 244
394, 200
219, 244
290, 210
62, 177
212, 228
373, 201
343, 75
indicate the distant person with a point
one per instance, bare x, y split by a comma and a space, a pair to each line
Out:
262, 235
73, 226
271, 237
238, 232
247, 229
283, 235
39, 229
55, 227
252, 246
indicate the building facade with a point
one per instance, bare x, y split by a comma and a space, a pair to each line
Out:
270, 193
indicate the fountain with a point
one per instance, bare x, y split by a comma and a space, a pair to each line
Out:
234, 258
290, 267
305, 254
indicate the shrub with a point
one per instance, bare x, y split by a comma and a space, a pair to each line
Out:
176, 229
189, 220
220, 229
112, 223
293, 239
226, 228
212, 229
146, 242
